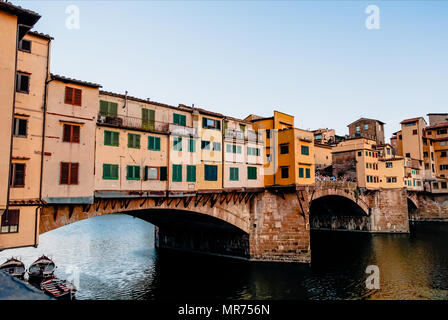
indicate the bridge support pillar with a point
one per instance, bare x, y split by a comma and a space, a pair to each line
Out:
389, 211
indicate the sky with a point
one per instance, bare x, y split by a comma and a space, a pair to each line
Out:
315, 60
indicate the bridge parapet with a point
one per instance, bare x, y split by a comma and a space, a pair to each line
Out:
336, 184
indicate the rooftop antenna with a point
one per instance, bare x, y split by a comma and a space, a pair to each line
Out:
125, 99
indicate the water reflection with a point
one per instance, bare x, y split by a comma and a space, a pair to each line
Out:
116, 259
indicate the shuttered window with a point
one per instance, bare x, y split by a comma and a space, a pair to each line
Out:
308, 173
191, 145
148, 119
234, 174
252, 173
177, 173
151, 173
133, 172
133, 141
69, 173
300, 172
163, 173
205, 145
210, 172
191, 173
253, 151
305, 150
73, 96
179, 119
20, 127
71, 133
110, 171
108, 109
208, 123
17, 175
177, 143
25, 45
111, 138
154, 143
10, 221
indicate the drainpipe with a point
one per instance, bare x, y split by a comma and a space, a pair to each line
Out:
47, 81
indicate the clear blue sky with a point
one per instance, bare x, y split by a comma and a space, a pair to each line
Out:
315, 60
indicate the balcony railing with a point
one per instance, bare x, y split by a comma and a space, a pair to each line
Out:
241, 135
145, 124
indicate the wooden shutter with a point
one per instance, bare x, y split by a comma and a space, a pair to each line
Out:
13, 217
64, 173
75, 133
77, 97
103, 108
74, 173
145, 119
106, 171
115, 138
107, 138
68, 95
113, 109
19, 174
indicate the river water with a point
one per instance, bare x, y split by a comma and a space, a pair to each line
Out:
113, 257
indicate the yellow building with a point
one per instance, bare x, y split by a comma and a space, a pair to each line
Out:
357, 160
391, 171
322, 155
289, 151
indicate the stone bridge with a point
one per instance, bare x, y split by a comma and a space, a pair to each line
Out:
268, 224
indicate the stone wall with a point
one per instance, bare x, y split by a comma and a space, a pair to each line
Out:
432, 207
389, 211
279, 230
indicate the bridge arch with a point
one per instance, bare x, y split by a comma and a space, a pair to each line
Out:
344, 193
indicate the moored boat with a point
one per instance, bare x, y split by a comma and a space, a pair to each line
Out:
14, 267
57, 288
41, 269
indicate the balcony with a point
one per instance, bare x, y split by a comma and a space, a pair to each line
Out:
127, 122
234, 135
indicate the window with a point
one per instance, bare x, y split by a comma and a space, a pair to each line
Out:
191, 173
242, 127
429, 133
253, 151
110, 171
358, 129
443, 154
177, 173
10, 221
153, 143
435, 185
285, 172
444, 167
20, 127
210, 172
425, 154
388, 151
132, 172
305, 150
111, 138
17, 175
308, 172
366, 127
268, 158
151, 173
284, 148
300, 172
71, 133
148, 119
234, 174
408, 155
216, 146
22, 82
388, 164
205, 145
180, 119
25, 45
177, 143
73, 96
443, 185
191, 145
233, 148
359, 153
252, 173
133, 141
108, 109
268, 134
414, 132
69, 173
208, 123
163, 173
441, 131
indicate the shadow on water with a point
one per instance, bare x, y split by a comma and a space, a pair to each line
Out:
116, 259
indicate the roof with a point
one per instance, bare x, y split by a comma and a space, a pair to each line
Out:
25, 17
122, 96
412, 120
203, 111
40, 35
362, 119
74, 81
438, 125
437, 114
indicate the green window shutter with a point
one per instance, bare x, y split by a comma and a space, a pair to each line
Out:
175, 118
234, 174
148, 119
114, 171
103, 108
133, 140
308, 173
113, 106
300, 172
252, 173
210, 172
305, 150
180, 119
157, 144
177, 143
115, 138
110, 171
133, 172
154, 143
191, 145
107, 138
191, 173
177, 173
106, 171
239, 149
